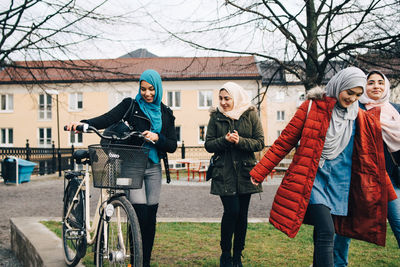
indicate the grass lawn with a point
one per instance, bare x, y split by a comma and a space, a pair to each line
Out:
197, 244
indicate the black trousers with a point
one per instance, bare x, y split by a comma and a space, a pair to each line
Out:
234, 222
320, 217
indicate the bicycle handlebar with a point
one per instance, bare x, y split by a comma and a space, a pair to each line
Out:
85, 128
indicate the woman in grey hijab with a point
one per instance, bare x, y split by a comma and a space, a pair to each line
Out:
324, 174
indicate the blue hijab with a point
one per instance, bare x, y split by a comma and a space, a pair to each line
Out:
152, 110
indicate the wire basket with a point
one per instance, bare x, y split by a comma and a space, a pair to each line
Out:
118, 166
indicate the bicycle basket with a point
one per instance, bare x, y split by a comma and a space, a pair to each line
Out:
118, 166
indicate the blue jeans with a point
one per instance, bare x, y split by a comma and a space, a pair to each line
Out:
341, 247
150, 192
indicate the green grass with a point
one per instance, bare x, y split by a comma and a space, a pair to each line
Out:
197, 244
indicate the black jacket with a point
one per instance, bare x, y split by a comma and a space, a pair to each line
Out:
167, 141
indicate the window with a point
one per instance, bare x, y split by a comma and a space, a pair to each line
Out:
7, 102
75, 101
44, 137
278, 133
174, 99
205, 99
202, 134
280, 115
120, 95
178, 133
6, 137
76, 139
280, 96
45, 107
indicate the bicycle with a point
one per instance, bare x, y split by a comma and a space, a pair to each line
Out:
115, 231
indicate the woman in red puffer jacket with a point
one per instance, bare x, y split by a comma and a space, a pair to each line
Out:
337, 179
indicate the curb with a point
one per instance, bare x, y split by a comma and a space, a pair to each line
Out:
35, 245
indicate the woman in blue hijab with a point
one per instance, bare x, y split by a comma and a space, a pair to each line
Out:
157, 123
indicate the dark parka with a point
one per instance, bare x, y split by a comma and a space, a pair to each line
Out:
234, 161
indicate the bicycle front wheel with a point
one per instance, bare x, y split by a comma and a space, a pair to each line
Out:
119, 242
73, 226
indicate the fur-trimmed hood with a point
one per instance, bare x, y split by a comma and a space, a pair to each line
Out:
315, 93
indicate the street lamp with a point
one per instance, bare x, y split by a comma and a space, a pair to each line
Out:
55, 92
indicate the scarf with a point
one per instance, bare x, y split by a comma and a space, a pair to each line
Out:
390, 117
241, 100
342, 120
152, 110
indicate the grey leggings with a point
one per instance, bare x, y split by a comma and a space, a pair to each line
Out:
150, 192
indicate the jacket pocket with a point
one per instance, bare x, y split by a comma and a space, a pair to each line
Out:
247, 166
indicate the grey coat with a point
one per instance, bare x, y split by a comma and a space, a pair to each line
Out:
234, 161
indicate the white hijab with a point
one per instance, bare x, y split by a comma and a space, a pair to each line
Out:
241, 100
342, 120
390, 117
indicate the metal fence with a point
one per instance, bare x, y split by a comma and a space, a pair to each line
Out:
48, 160
52, 160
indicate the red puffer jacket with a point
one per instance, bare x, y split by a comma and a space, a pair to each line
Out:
370, 190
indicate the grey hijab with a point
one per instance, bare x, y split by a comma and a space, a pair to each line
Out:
342, 120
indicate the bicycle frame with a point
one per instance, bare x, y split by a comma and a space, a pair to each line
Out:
91, 228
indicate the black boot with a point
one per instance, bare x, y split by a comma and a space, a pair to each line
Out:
142, 215
225, 260
150, 234
237, 259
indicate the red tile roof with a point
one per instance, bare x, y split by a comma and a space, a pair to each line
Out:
122, 69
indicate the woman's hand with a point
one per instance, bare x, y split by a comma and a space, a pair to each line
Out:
72, 126
232, 137
151, 136
254, 181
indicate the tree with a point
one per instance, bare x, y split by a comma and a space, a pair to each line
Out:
301, 36
40, 30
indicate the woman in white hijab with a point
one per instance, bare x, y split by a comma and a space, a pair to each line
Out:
377, 95
234, 133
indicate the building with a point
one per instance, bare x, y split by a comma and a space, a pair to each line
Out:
36, 95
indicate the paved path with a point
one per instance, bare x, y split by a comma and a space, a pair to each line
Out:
42, 197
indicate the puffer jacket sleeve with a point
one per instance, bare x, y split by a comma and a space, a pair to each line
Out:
288, 139
213, 142
256, 141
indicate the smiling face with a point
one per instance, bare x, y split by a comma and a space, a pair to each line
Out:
349, 96
225, 100
147, 91
375, 86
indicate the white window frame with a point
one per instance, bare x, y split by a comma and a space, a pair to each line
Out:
74, 139
45, 108
208, 96
280, 115
5, 135
45, 141
198, 134
172, 102
280, 96
74, 100
6, 103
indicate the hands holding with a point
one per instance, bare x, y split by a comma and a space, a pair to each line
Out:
232, 137
151, 136
254, 181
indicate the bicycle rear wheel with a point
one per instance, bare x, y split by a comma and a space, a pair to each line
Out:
74, 239
120, 229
